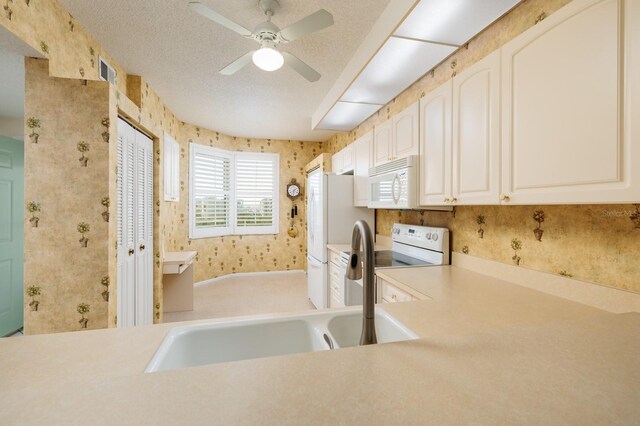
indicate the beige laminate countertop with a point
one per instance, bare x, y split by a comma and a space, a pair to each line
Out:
490, 352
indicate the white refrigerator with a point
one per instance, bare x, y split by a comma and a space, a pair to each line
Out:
330, 219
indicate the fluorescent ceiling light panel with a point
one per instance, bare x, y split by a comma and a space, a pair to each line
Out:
344, 116
397, 65
452, 21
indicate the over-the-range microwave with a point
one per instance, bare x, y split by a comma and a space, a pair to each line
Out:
394, 185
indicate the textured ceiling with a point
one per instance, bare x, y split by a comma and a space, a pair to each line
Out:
179, 53
12, 53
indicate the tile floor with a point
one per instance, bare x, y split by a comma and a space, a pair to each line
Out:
248, 295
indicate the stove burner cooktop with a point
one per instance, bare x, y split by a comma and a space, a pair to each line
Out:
392, 259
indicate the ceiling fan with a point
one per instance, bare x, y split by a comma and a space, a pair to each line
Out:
267, 57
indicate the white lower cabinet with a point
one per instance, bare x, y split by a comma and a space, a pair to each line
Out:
389, 293
134, 227
363, 155
570, 86
336, 279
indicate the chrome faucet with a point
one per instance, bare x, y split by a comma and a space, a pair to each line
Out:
357, 263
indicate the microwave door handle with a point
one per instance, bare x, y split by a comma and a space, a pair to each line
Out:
396, 197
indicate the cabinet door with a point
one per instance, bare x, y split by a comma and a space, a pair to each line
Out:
392, 294
382, 143
336, 163
476, 133
563, 107
348, 158
435, 152
363, 161
406, 135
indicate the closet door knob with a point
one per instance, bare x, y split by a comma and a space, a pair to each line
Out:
131, 251
141, 247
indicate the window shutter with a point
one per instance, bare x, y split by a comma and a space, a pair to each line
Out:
256, 181
232, 193
211, 186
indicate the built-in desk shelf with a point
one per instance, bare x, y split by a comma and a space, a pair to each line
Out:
176, 262
177, 281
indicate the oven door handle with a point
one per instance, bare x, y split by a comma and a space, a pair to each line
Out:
396, 197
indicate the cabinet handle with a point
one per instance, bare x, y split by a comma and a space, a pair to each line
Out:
394, 297
131, 251
505, 197
446, 199
454, 200
141, 247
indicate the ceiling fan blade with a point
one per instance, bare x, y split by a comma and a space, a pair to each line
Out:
312, 23
222, 20
238, 64
300, 67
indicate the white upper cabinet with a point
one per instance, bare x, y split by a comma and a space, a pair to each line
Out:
363, 147
406, 135
398, 137
336, 163
348, 160
342, 162
382, 139
569, 86
476, 133
435, 148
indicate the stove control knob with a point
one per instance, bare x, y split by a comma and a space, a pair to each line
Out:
428, 235
434, 237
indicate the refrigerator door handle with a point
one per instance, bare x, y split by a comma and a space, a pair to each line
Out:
312, 219
314, 263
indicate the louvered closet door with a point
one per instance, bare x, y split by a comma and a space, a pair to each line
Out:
144, 229
126, 224
135, 226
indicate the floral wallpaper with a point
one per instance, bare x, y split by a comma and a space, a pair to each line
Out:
63, 80
66, 174
232, 254
595, 243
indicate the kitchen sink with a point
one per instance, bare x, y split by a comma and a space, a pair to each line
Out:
346, 329
235, 340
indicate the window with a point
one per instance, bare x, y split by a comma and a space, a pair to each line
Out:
232, 193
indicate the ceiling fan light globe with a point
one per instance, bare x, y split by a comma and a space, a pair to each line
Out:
268, 59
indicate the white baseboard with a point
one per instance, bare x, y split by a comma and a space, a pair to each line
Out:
598, 296
247, 274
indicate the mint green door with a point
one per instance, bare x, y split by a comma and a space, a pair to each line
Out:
11, 235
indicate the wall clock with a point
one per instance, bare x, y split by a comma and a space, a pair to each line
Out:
293, 189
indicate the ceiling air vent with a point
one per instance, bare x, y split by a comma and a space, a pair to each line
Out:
107, 73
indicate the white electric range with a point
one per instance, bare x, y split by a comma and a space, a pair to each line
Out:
412, 246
